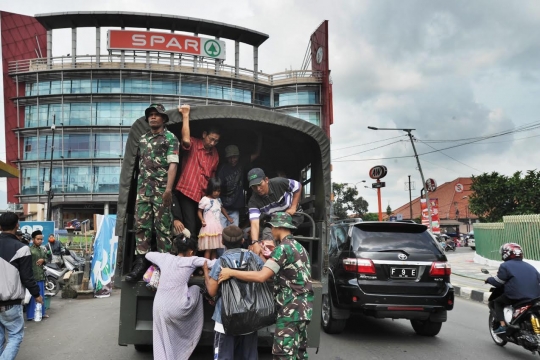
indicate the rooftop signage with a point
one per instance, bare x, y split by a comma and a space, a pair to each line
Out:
168, 42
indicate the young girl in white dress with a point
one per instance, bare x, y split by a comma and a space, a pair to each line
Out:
209, 213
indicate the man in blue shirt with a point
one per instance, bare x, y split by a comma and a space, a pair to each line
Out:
228, 346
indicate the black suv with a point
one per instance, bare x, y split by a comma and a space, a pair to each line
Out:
386, 270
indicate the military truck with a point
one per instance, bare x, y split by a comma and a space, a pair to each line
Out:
296, 147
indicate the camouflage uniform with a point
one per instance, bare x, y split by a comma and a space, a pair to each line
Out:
293, 291
156, 151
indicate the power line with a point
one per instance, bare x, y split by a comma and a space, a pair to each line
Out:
377, 159
369, 143
361, 152
462, 163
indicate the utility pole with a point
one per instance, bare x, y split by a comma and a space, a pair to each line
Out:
422, 176
410, 198
50, 192
408, 131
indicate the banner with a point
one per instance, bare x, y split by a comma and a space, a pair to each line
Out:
46, 227
104, 260
435, 221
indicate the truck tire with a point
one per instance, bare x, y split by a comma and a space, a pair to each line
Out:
426, 327
330, 325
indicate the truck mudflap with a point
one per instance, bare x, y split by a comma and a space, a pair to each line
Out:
136, 302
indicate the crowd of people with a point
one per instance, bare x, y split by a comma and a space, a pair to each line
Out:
193, 205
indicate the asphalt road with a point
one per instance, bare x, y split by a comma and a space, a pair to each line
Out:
87, 330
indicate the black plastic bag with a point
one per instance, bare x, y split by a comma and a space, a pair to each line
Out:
247, 306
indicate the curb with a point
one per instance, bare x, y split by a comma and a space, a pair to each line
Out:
471, 294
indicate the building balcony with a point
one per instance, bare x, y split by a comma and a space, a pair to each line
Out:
161, 62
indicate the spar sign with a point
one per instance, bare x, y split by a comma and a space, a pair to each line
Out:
169, 42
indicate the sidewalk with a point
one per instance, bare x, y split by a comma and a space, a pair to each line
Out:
467, 278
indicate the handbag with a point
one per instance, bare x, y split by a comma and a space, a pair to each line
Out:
154, 278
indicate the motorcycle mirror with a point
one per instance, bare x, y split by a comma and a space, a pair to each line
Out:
484, 271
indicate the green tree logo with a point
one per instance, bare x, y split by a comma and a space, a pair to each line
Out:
212, 48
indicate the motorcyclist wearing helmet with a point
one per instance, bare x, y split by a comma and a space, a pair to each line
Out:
521, 281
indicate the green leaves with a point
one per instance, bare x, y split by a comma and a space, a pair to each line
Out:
497, 195
346, 200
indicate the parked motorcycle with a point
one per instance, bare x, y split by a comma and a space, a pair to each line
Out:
54, 278
450, 246
523, 320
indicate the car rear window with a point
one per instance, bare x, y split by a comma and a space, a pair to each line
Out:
380, 239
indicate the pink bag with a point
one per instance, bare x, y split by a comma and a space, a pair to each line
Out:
148, 274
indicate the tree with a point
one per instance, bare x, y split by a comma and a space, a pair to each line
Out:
370, 217
388, 210
497, 195
346, 200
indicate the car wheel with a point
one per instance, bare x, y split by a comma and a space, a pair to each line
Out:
330, 325
492, 323
426, 327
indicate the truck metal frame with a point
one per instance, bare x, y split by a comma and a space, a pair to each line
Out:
292, 145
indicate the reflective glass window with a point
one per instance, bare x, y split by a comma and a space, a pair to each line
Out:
296, 98
107, 179
58, 179
78, 179
106, 86
262, 99
76, 146
29, 181
44, 147
132, 111
136, 86
30, 151
164, 87
313, 117
107, 146
193, 89
80, 114
108, 114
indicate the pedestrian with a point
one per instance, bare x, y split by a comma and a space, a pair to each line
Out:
178, 309
271, 196
231, 175
158, 151
199, 164
15, 276
241, 347
290, 265
39, 256
55, 247
210, 211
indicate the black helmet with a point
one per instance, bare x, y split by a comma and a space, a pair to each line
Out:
160, 109
511, 251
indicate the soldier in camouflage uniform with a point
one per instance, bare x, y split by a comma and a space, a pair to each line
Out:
291, 268
158, 151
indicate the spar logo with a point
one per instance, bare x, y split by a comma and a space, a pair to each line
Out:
212, 48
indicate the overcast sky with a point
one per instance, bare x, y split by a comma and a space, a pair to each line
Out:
451, 70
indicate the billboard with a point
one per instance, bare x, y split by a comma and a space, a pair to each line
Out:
169, 42
435, 220
46, 227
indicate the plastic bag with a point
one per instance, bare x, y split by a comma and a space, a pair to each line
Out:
148, 274
247, 306
27, 297
154, 280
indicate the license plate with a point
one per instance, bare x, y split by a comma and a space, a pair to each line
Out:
403, 273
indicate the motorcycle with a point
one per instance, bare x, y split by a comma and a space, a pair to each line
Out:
450, 246
54, 278
523, 320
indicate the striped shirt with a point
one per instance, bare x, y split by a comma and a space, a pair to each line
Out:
198, 166
279, 198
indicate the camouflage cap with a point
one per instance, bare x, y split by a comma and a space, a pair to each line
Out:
160, 109
281, 219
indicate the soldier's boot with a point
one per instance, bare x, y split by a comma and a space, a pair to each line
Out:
140, 265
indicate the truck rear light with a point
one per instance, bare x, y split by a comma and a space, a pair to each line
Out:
440, 269
360, 266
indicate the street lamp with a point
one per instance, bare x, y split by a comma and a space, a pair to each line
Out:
468, 220
408, 131
50, 193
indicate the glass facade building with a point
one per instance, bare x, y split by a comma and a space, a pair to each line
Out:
93, 101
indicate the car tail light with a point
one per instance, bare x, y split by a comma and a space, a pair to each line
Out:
360, 266
440, 269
